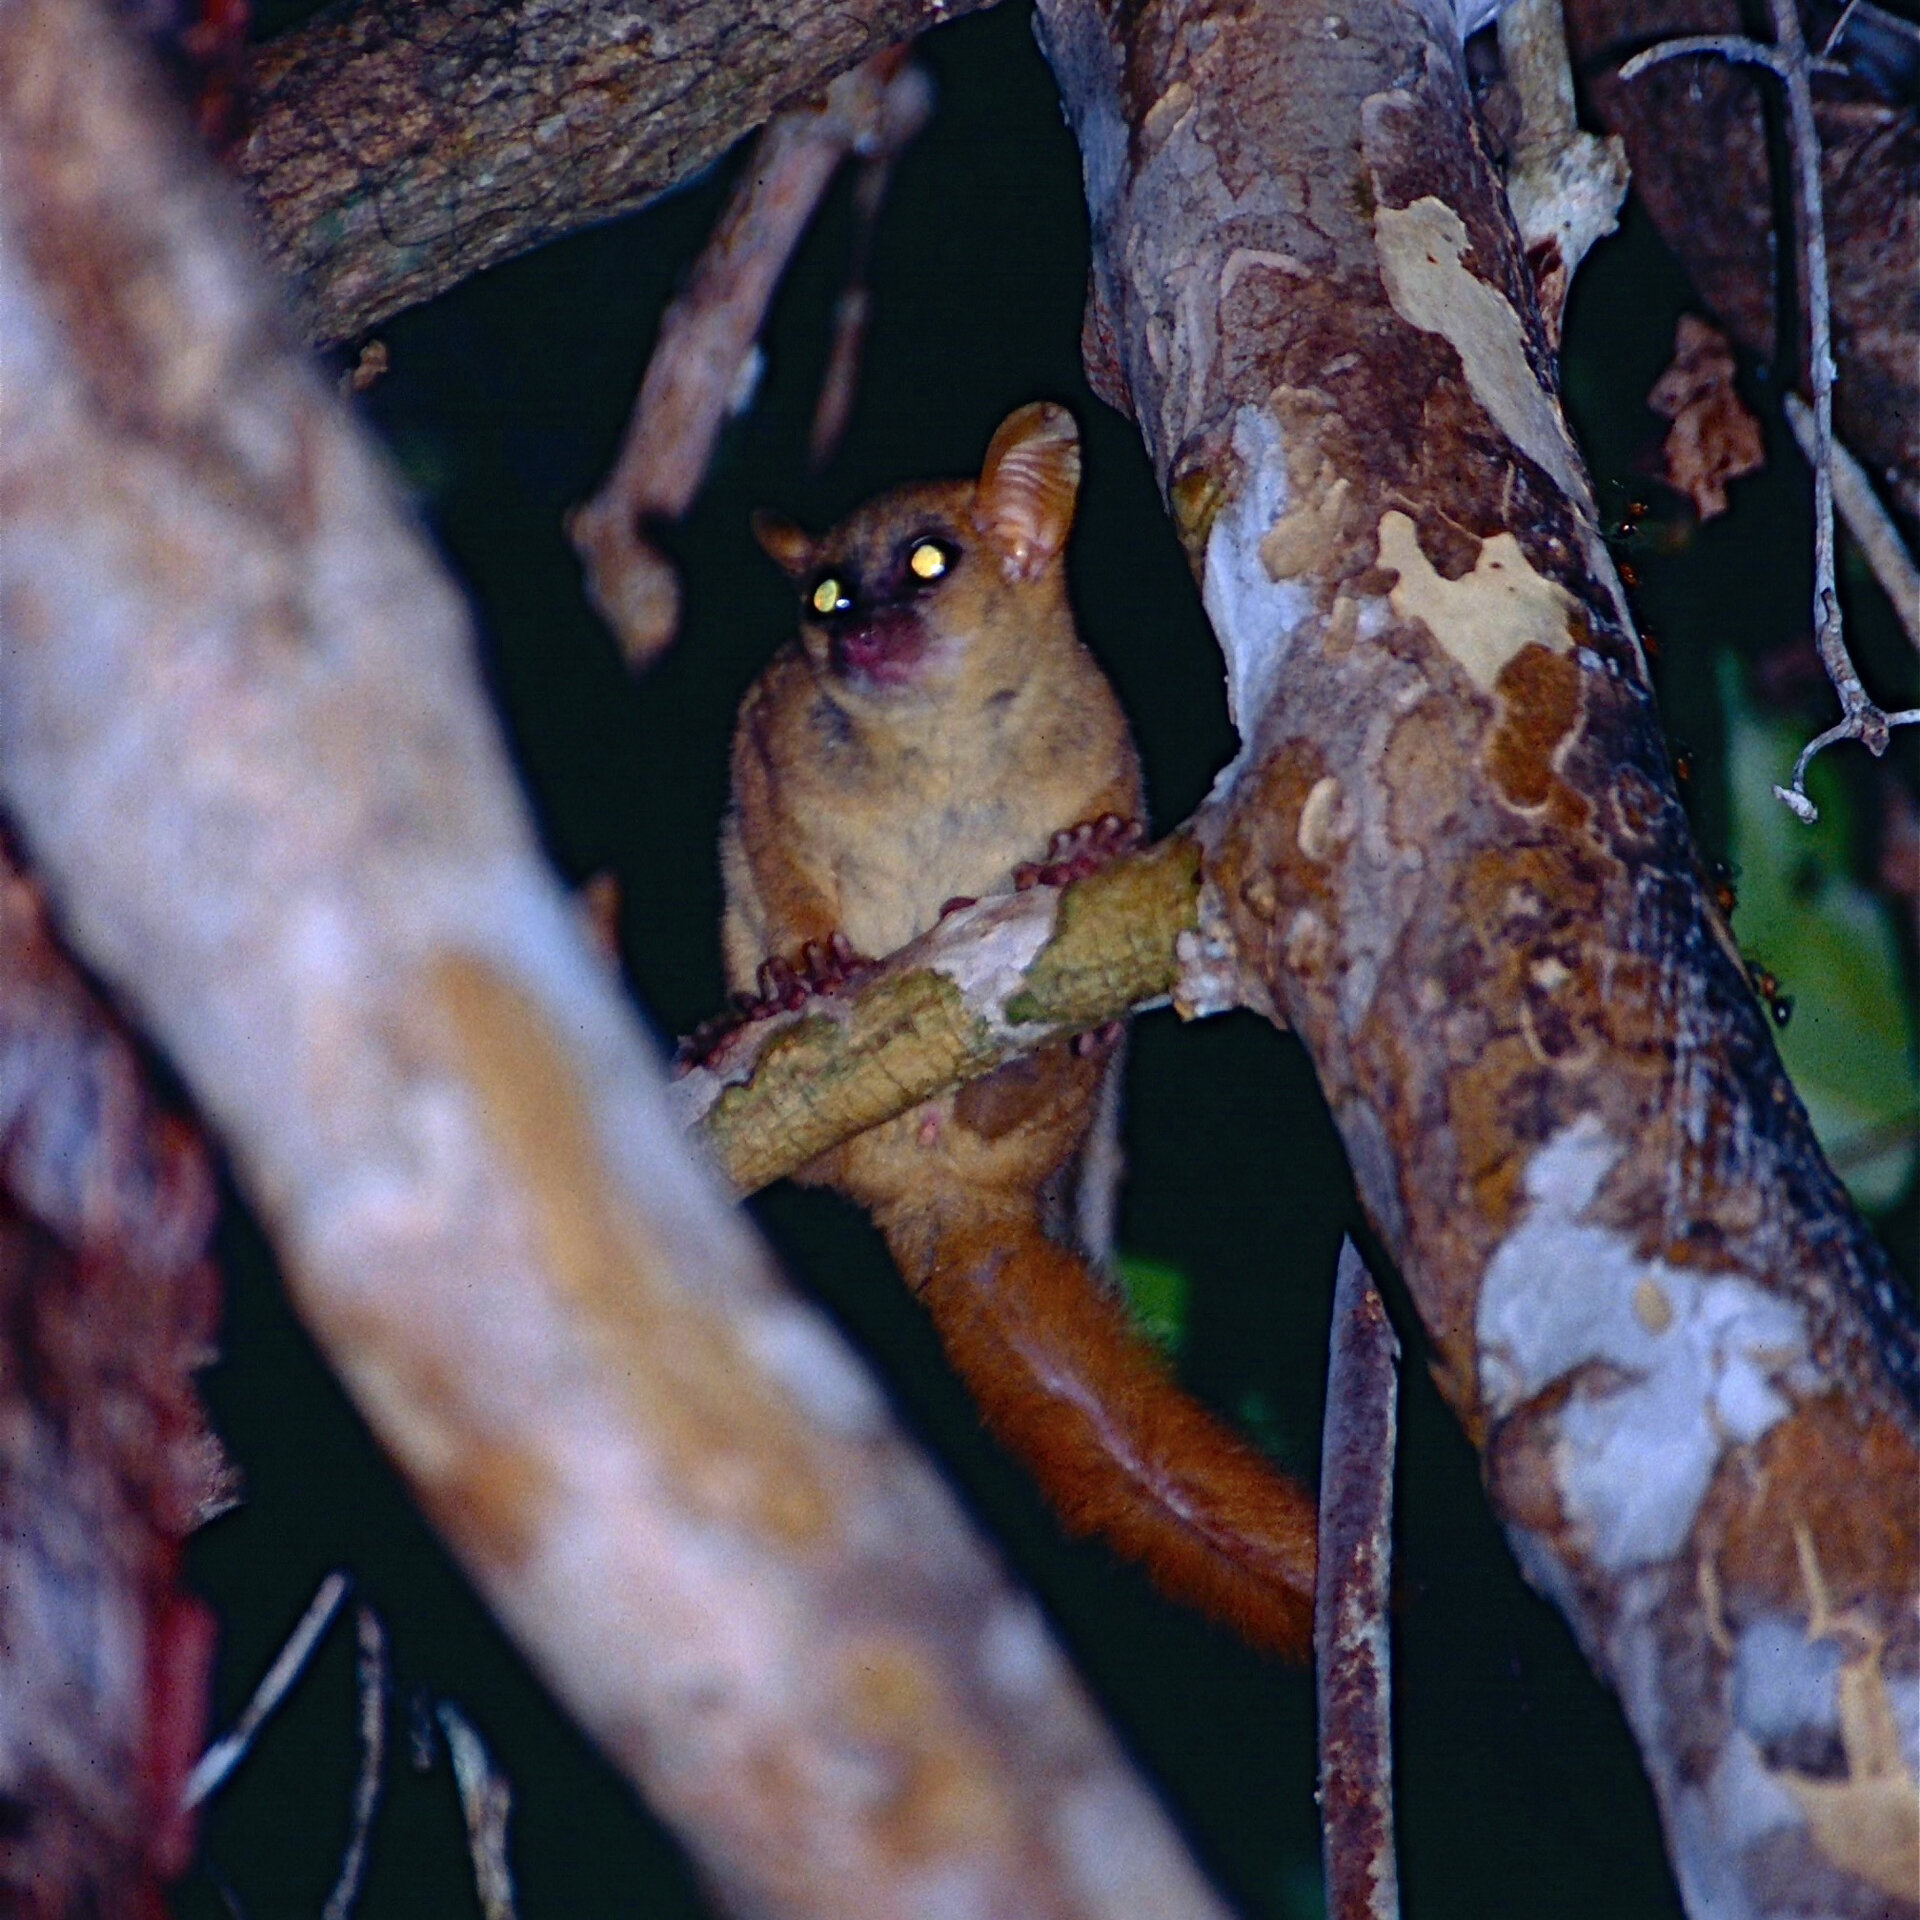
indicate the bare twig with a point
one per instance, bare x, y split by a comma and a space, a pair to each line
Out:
909, 101
486, 1804
1790, 64
371, 1688
1867, 520
705, 362
1351, 1665
289, 1663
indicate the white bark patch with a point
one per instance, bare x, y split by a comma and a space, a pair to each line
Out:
1211, 980
994, 943
1783, 1683
1485, 617
1737, 1806
1569, 191
1665, 1394
1421, 251
1254, 615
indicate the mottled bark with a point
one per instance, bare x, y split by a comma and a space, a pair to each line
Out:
242, 732
1696, 136
1455, 862
398, 146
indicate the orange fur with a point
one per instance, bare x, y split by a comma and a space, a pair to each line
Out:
936, 724
1120, 1451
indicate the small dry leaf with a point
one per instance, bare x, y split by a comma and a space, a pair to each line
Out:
599, 902
374, 362
1714, 438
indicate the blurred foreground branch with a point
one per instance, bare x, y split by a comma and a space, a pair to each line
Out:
242, 733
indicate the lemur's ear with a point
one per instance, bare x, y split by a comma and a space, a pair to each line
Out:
789, 547
1028, 484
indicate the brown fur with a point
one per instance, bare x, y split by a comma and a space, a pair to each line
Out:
917, 743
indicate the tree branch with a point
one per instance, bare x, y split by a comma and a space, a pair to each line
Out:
108, 1306
1565, 186
243, 733
1789, 63
706, 351
1867, 520
1451, 847
992, 981
397, 147
1351, 1645
1696, 137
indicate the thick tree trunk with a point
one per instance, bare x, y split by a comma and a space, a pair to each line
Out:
1455, 862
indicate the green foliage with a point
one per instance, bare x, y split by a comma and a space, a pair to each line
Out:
1157, 1298
1849, 1045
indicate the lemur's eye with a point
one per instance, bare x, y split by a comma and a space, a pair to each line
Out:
829, 596
929, 558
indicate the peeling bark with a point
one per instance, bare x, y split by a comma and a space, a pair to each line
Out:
1454, 860
242, 730
396, 147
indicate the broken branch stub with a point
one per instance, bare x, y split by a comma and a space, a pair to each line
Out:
1451, 848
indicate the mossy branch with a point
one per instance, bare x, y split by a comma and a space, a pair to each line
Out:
989, 983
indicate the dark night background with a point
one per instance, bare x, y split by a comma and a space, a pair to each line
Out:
1518, 1790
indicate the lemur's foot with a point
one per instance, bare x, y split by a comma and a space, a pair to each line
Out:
1098, 1040
785, 986
1079, 851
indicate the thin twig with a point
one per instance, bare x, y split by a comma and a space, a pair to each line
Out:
851, 313
486, 1801
226, 1753
1867, 520
1789, 63
906, 107
371, 1676
1352, 1669
705, 361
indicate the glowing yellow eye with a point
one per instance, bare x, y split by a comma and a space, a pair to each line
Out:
828, 597
927, 560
